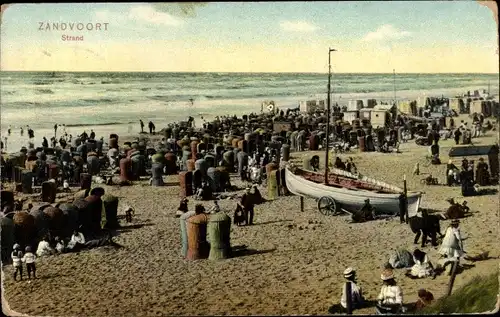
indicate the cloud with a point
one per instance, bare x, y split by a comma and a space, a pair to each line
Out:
384, 33
298, 26
148, 14
182, 9
144, 14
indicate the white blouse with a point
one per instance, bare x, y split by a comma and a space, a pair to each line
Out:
391, 295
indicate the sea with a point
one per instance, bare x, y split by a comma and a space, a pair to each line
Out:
108, 102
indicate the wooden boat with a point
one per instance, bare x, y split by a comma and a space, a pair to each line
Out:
349, 191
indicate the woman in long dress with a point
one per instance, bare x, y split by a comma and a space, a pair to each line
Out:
452, 246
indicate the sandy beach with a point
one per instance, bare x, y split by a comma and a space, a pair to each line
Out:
296, 269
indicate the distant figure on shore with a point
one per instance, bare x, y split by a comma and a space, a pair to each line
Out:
31, 133
151, 127
55, 129
9, 130
53, 142
84, 136
64, 128
62, 142
92, 134
142, 125
22, 131
45, 143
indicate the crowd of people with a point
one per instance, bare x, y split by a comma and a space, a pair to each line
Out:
418, 265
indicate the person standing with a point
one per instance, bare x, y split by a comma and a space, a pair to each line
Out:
142, 125
17, 256
29, 258
55, 130
248, 206
9, 130
150, 125
452, 247
45, 143
22, 131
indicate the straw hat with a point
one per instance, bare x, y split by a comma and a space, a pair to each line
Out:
349, 272
386, 275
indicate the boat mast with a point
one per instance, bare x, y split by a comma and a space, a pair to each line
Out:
328, 113
394, 80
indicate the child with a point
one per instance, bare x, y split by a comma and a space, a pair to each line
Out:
29, 258
356, 292
17, 255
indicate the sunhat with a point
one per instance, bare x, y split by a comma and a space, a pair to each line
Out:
387, 275
349, 272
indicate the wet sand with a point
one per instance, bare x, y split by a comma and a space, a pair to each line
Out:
297, 269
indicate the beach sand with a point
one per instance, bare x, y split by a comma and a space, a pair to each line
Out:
298, 269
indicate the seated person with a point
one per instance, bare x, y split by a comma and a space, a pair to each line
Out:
425, 298
44, 248
422, 267
77, 241
365, 213
60, 247
401, 259
356, 292
390, 298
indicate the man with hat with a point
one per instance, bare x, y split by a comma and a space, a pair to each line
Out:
452, 247
357, 299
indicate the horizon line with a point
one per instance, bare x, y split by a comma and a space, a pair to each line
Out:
234, 72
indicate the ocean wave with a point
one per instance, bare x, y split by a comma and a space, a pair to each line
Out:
44, 91
109, 100
105, 82
96, 124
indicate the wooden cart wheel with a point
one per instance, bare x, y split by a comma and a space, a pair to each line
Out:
327, 206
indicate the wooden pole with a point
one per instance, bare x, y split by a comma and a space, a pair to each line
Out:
405, 189
328, 116
301, 203
452, 277
348, 294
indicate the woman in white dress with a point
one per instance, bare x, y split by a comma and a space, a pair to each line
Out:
452, 246
422, 267
390, 299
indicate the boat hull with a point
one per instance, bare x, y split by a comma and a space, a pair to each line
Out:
350, 199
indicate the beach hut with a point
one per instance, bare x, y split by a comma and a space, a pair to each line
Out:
379, 117
365, 114
369, 103
354, 105
350, 116
307, 106
457, 104
480, 107
407, 107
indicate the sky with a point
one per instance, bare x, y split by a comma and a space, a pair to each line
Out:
370, 37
